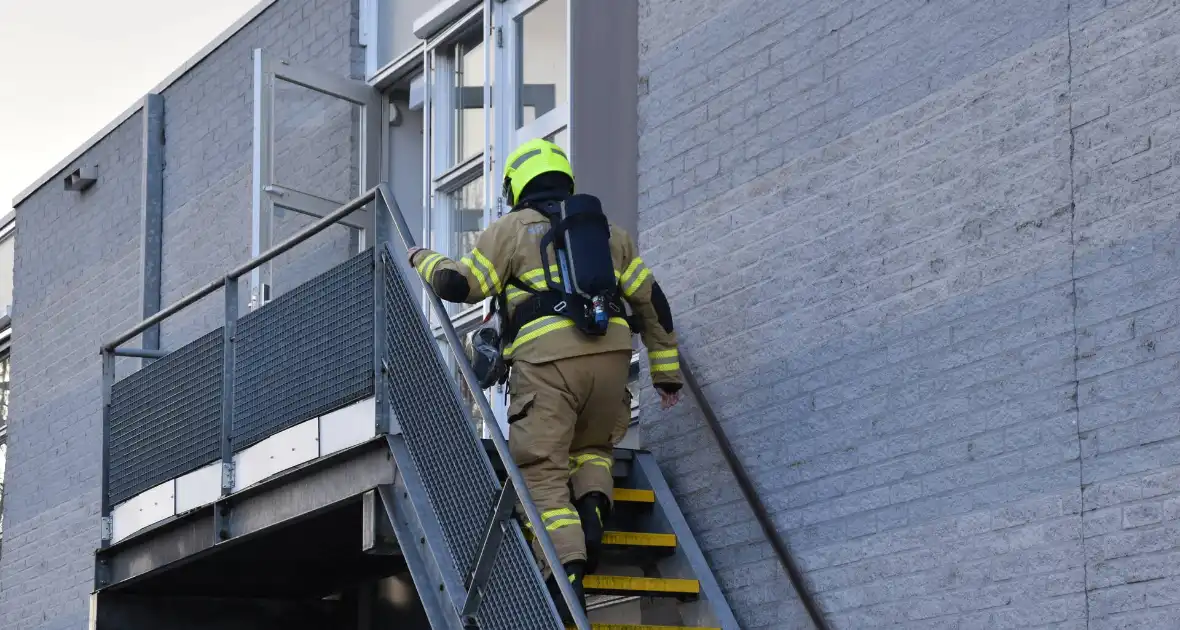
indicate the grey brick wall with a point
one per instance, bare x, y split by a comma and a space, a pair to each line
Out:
923, 256
77, 280
209, 126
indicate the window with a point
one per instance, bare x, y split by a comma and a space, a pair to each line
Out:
7, 260
469, 115
7, 251
457, 116
543, 61
457, 139
535, 63
467, 218
4, 381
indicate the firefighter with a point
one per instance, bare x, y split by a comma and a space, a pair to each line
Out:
569, 400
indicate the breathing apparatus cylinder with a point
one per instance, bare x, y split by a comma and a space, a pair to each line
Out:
585, 245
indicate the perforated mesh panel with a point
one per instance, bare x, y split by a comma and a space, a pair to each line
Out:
308, 352
452, 464
165, 419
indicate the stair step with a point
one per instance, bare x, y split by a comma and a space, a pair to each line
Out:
624, 585
628, 495
629, 626
638, 539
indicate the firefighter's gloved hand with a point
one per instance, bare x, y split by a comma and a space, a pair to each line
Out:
668, 399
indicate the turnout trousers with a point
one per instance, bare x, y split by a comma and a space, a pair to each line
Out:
565, 418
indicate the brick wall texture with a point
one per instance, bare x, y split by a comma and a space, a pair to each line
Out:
923, 255
920, 251
78, 279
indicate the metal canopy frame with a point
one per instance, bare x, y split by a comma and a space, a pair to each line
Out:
268, 194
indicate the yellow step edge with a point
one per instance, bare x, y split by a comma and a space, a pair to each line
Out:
637, 539
628, 626
627, 495
624, 584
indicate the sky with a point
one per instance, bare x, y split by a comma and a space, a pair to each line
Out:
68, 68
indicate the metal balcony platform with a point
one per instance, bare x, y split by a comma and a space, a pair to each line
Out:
289, 462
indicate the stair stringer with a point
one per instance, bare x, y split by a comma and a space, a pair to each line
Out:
710, 609
453, 472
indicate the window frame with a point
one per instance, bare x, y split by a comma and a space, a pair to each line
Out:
507, 22
441, 178
7, 231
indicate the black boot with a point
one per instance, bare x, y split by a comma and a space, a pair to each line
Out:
593, 510
576, 571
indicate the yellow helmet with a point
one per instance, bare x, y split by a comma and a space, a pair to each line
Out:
530, 160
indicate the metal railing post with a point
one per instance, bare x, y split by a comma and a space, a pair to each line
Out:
229, 339
381, 234
108, 383
501, 444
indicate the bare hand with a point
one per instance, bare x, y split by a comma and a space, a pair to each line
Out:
668, 399
410, 256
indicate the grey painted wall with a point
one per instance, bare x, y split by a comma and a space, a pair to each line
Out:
603, 106
77, 280
924, 256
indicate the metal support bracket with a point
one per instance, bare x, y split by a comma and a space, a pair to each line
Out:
486, 558
378, 537
227, 477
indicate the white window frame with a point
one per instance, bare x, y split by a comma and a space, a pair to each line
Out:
441, 179
501, 29
506, 21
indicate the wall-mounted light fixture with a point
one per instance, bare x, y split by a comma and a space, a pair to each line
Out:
81, 178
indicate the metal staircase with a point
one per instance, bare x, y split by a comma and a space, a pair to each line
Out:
448, 502
473, 500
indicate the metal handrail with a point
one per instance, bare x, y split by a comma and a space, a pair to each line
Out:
751, 495
514, 475
263, 258
229, 283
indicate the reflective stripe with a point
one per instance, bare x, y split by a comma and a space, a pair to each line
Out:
489, 267
519, 161
546, 325
479, 275
556, 525
634, 276
638, 282
664, 360
578, 461
536, 328
426, 267
561, 517
635, 263
534, 279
